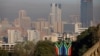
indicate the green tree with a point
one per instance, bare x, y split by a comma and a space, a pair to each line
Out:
44, 48
24, 49
3, 52
86, 40
98, 31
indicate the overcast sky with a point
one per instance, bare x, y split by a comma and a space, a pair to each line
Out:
41, 8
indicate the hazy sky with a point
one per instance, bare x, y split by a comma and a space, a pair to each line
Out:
41, 8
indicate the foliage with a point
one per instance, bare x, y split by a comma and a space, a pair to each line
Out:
3, 52
24, 49
44, 48
86, 40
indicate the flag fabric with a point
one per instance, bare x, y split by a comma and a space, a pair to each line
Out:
63, 48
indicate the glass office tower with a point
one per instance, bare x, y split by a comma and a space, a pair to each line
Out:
86, 12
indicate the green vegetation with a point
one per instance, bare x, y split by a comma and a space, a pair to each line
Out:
86, 40
44, 48
24, 49
3, 53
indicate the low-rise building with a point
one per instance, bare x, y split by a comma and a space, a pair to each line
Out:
8, 47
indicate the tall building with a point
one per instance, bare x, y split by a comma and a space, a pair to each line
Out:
14, 36
23, 20
42, 26
5, 24
33, 35
16, 23
26, 23
86, 12
55, 15
0, 29
59, 13
74, 18
22, 13
58, 27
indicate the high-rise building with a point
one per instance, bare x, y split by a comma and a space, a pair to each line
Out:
33, 35
0, 29
58, 27
14, 36
74, 18
26, 23
42, 26
59, 13
22, 13
23, 20
16, 23
5, 24
55, 15
86, 12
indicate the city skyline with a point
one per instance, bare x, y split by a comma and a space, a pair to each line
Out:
39, 9
35, 27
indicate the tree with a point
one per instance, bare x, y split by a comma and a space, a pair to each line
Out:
86, 40
3, 52
24, 49
44, 48
98, 29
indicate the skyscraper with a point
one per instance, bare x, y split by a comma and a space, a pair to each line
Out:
59, 12
33, 35
5, 24
40, 24
22, 13
86, 12
23, 20
14, 36
58, 27
55, 15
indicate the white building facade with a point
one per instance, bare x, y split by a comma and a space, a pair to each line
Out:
14, 36
33, 35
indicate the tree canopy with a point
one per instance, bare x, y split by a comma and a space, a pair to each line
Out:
86, 40
44, 48
24, 49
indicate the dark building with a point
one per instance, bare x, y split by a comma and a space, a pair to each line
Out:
86, 12
69, 28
